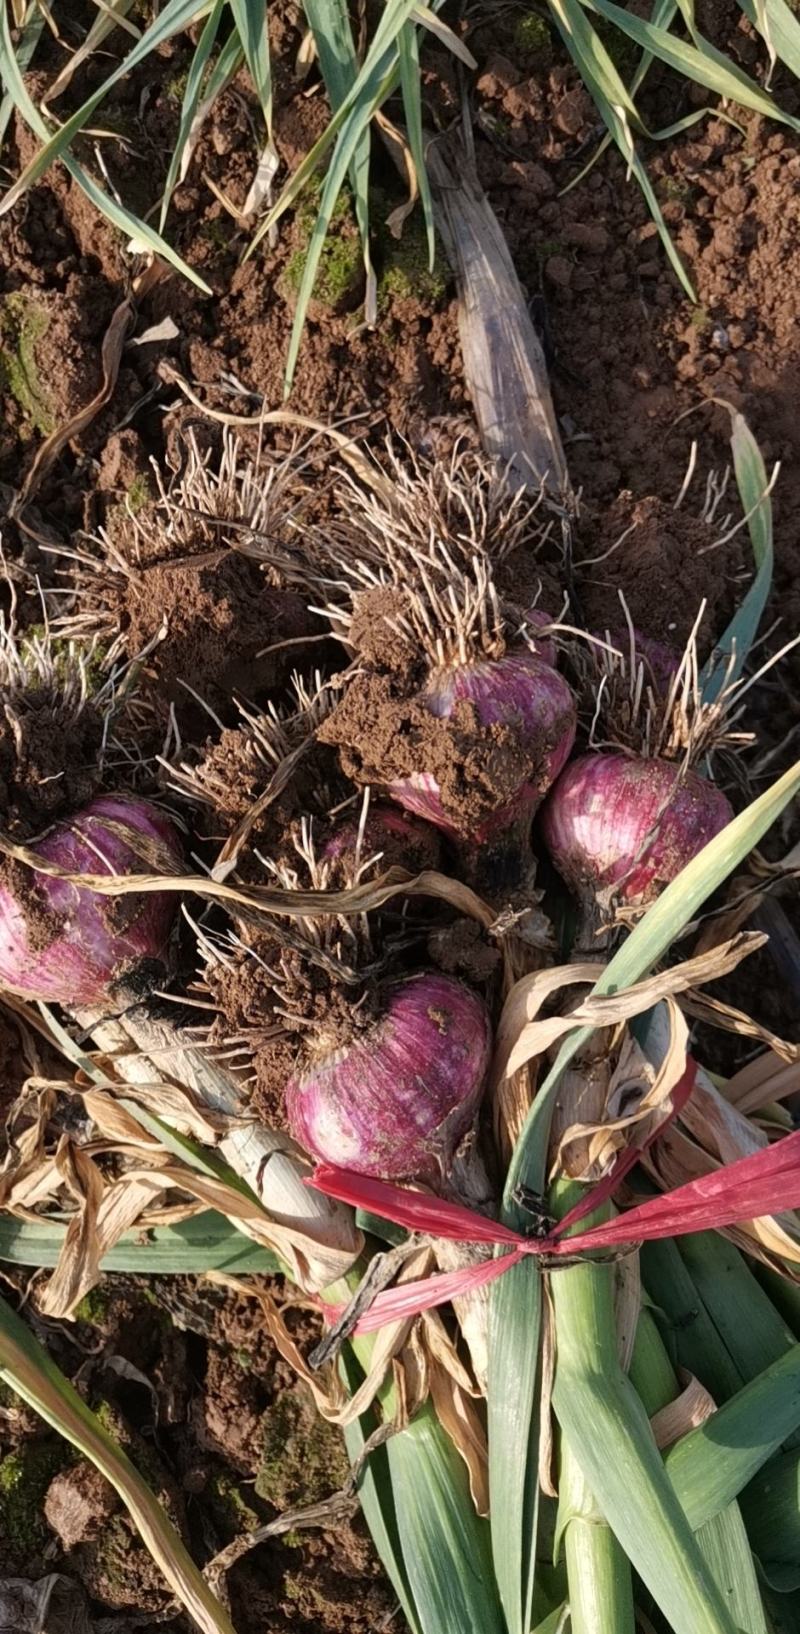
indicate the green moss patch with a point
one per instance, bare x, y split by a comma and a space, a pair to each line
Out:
25, 1476
303, 1458
22, 324
533, 39
339, 282
94, 1306
405, 270
230, 1510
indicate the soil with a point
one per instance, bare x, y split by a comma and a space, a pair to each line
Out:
37, 783
385, 739
629, 355
223, 1434
662, 564
219, 617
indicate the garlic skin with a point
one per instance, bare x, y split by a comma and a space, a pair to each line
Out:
623, 827
546, 650
660, 662
65, 944
397, 1102
393, 835
518, 691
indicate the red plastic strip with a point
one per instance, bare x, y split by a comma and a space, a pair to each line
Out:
413, 1209
410, 1298
766, 1182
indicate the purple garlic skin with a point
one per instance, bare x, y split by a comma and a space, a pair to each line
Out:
519, 691
397, 1102
628, 826
546, 650
660, 662
394, 835
74, 946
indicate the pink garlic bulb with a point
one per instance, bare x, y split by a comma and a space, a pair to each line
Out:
397, 837
65, 944
398, 1100
621, 826
546, 650
660, 661
518, 691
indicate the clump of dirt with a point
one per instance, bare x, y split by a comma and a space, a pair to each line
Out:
78, 1504
462, 949
228, 1413
224, 781
666, 564
331, 1584
115, 1313
218, 617
384, 738
15, 1063
283, 1005
376, 637
50, 754
49, 352
524, 581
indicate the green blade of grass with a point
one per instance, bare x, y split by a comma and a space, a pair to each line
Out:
663, 13
751, 480
205, 1242
726, 1549
617, 110
700, 62
28, 1369
783, 1294
608, 1432
513, 1425
689, 1334
427, 17
176, 15
128, 224
722, 1539
783, 28
250, 17
191, 98
445, 1544
598, 1570
586, 47
329, 21
437, 1545
771, 1510
412, 110
376, 1496
346, 146
752, 1331
711, 1465
363, 95
28, 41
556, 1623
330, 24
